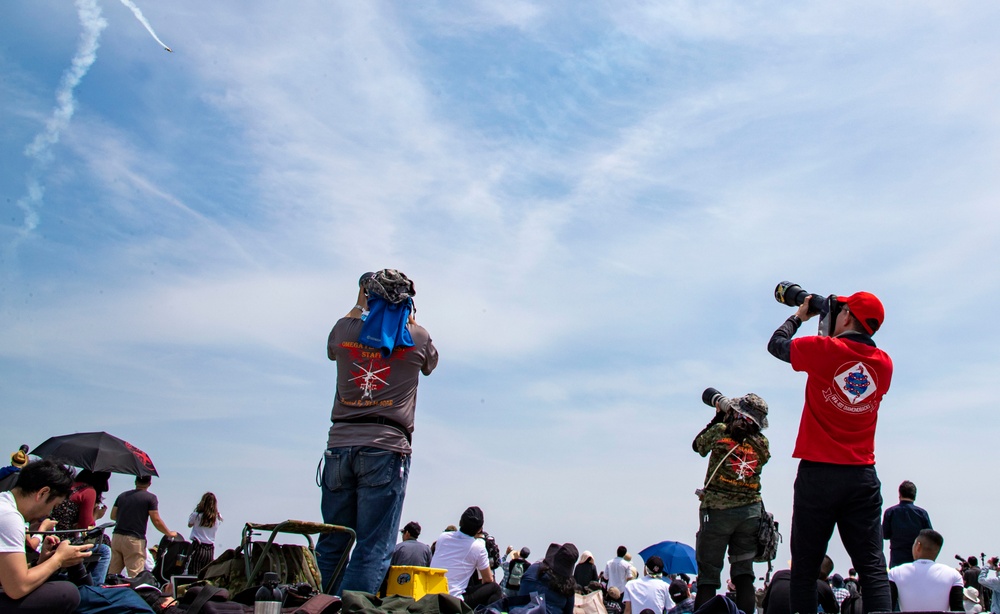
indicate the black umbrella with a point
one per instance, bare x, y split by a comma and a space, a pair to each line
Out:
97, 452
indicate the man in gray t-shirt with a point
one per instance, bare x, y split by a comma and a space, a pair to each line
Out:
367, 461
132, 512
410, 551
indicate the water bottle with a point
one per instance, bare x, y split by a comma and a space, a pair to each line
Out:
269, 596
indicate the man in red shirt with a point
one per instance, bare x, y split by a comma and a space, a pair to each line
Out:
836, 482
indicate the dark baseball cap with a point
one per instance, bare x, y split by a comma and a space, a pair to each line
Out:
654, 564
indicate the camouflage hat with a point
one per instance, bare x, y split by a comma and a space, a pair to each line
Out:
753, 407
389, 284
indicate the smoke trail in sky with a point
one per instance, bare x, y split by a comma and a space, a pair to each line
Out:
138, 15
40, 149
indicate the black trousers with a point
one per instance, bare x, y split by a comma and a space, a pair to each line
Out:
850, 497
482, 594
49, 598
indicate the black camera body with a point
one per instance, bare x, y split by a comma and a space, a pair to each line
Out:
827, 307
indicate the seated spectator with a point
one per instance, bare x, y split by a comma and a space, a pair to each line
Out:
586, 570
851, 582
633, 573
840, 591
649, 591
681, 596
776, 595
613, 601
970, 600
923, 585
513, 570
552, 577
8, 474
41, 485
461, 554
410, 551
81, 510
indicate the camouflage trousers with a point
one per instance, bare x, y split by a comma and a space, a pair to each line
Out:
733, 529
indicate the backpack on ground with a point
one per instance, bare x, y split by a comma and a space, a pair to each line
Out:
171, 558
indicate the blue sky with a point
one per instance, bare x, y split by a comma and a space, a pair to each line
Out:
595, 201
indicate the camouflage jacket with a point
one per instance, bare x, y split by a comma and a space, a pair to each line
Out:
737, 482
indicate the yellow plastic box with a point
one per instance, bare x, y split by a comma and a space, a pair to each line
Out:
416, 582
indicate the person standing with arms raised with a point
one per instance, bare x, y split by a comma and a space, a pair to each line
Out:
837, 484
380, 352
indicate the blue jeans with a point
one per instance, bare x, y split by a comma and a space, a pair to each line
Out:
363, 488
99, 569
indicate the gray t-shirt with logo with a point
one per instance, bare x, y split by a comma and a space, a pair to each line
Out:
369, 385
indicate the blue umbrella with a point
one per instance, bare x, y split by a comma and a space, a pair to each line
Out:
677, 557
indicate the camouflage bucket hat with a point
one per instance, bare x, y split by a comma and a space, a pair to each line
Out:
389, 284
753, 407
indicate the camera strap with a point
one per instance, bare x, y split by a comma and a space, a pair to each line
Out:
717, 467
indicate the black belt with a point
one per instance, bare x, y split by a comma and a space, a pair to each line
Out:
373, 420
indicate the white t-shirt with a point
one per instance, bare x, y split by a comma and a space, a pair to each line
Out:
647, 592
205, 535
461, 555
617, 572
11, 525
924, 585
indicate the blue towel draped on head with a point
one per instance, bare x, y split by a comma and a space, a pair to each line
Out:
385, 327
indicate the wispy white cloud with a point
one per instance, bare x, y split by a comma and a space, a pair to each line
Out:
39, 150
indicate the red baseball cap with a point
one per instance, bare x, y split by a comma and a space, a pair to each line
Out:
866, 307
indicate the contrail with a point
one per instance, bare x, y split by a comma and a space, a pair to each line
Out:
40, 149
138, 15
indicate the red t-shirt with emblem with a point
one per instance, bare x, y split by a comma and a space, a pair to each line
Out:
847, 380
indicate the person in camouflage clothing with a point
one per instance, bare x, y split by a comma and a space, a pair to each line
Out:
730, 501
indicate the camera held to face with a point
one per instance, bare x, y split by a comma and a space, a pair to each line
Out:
827, 307
712, 397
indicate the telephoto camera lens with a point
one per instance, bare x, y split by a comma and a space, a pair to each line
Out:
711, 396
789, 294
364, 278
793, 295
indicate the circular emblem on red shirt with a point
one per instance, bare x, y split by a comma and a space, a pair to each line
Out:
856, 383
